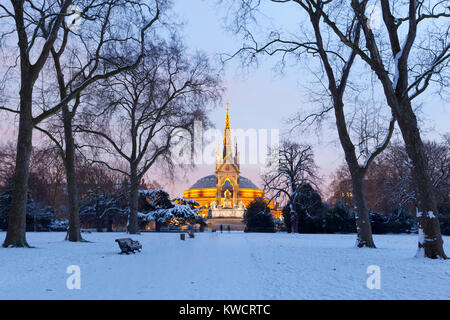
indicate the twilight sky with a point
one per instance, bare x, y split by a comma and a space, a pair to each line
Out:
261, 98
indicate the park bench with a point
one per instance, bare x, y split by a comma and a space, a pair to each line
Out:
128, 245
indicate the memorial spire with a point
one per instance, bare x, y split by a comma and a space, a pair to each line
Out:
227, 148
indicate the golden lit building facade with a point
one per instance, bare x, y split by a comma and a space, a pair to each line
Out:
226, 193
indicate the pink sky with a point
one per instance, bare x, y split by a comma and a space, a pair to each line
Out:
260, 98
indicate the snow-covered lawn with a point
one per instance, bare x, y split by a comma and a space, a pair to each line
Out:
222, 266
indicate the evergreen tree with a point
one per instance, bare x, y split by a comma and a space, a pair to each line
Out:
37, 218
309, 209
258, 218
339, 219
157, 206
102, 209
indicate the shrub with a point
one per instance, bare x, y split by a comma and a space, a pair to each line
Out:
445, 224
379, 223
339, 220
258, 217
37, 218
400, 221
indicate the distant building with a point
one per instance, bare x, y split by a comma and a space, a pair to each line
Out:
226, 194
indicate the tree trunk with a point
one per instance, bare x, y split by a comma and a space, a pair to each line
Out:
294, 222
301, 221
99, 224
363, 227
430, 239
16, 234
74, 233
133, 202
110, 223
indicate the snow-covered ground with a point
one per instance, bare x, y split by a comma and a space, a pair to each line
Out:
222, 266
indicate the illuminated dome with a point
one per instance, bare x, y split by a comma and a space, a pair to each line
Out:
226, 193
211, 182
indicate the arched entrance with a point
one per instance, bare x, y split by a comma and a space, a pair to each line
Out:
227, 195
227, 199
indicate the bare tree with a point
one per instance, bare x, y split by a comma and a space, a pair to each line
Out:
405, 68
7, 163
46, 181
289, 168
41, 32
393, 176
438, 156
336, 64
28, 35
106, 37
389, 183
136, 113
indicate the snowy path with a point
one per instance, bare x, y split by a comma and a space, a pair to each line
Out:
222, 266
